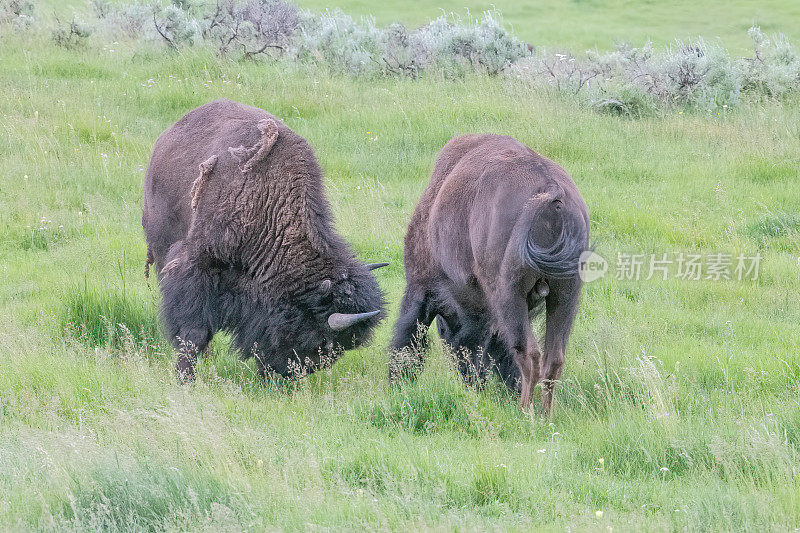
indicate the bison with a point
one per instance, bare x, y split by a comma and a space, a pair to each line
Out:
497, 236
239, 229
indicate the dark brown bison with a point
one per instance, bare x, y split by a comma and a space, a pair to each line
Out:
496, 236
240, 232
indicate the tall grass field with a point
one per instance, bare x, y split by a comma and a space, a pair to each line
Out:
679, 407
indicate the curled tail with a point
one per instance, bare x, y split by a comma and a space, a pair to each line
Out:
562, 258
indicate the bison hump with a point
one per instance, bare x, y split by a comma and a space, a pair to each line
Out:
249, 157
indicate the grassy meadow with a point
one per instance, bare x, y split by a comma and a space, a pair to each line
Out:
679, 406
577, 25
574, 25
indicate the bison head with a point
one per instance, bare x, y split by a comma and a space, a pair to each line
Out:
300, 329
311, 331
357, 304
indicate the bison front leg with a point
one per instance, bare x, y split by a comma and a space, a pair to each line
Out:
503, 363
562, 306
468, 339
410, 336
189, 344
511, 312
184, 309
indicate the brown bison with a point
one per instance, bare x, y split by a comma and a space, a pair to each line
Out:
496, 236
240, 232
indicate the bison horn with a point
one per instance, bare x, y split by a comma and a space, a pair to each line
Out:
340, 321
376, 266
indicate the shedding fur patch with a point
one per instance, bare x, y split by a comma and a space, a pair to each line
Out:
249, 157
199, 184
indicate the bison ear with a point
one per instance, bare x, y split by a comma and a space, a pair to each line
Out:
249, 157
325, 287
176, 256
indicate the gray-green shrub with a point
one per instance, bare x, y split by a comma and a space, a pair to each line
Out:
696, 74
251, 27
628, 80
71, 35
17, 13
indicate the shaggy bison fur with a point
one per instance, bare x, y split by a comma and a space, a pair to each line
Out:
496, 236
239, 229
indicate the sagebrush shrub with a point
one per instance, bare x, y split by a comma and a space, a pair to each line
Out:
484, 45
695, 74
775, 67
134, 21
628, 80
251, 27
340, 42
72, 35
176, 26
17, 13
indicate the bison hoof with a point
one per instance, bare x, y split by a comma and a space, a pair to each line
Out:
184, 371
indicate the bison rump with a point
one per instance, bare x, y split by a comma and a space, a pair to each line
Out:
496, 236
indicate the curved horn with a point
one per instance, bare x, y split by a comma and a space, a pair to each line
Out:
376, 266
340, 321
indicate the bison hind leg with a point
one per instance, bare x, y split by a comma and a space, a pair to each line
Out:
512, 316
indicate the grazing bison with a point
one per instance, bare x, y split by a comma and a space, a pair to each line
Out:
240, 232
496, 236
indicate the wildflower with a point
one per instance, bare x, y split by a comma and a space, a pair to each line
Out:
598, 513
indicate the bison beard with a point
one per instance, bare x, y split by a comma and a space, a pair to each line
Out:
495, 238
239, 229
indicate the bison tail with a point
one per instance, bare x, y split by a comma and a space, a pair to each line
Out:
562, 258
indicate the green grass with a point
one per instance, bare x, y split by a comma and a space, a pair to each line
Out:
579, 25
679, 407
574, 25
